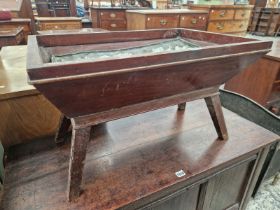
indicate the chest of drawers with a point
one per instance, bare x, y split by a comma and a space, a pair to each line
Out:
58, 23
112, 19
230, 19
171, 18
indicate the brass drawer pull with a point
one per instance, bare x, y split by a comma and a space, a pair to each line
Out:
113, 25
163, 22
112, 15
220, 26
193, 20
223, 13
243, 14
241, 25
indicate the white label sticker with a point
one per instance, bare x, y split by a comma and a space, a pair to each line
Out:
180, 173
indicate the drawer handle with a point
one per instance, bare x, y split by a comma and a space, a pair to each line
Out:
220, 26
112, 15
194, 21
223, 13
101, 13
241, 25
243, 15
113, 25
163, 22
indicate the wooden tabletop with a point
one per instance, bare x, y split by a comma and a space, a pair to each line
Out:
135, 157
13, 76
167, 11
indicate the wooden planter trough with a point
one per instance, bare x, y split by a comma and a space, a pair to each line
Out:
97, 77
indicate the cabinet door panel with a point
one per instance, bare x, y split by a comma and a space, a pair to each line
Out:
227, 189
185, 199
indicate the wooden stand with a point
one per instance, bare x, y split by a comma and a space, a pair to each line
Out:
81, 127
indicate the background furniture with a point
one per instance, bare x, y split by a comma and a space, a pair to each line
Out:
19, 9
11, 36
229, 19
171, 18
16, 23
265, 21
161, 162
261, 81
56, 8
25, 114
58, 23
108, 18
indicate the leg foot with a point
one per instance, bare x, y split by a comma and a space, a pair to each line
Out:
61, 134
182, 106
79, 141
215, 109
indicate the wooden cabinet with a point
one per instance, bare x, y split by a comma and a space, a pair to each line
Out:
112, 19
230, 19
16, 23
172, 18
261, 81
58, 23
137, 169
20, 9
11, 37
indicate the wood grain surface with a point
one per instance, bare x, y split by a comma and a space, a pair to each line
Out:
132, 161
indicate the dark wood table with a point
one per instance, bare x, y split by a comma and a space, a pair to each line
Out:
133, 162
11, 36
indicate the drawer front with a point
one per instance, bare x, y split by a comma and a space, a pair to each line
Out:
59, 26
242, 14
193, 21
113, 25
221, 14
112, 15
227, 26
162, 21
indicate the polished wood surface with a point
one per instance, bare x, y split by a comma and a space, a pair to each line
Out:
25, 113
137, 167
230, 19
168, 18
260, 81
112, 19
